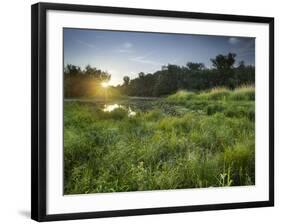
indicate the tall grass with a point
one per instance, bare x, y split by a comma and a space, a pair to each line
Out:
180, 96
218, 93
243, 93
210, 143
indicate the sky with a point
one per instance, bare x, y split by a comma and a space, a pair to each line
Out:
122, 53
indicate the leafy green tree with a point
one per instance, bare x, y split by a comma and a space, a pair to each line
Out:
195, 66
72, 70
126, 80
96, 74
241, 65
224, 62
78, 82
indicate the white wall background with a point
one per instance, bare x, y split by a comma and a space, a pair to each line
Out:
15, 110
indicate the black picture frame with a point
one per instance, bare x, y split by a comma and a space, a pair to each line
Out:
38, 109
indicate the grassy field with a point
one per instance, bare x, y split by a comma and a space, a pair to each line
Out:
185, 140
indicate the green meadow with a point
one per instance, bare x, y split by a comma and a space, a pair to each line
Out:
183, 140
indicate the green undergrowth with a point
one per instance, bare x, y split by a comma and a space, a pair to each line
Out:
206, 141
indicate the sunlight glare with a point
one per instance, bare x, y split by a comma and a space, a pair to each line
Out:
104, 84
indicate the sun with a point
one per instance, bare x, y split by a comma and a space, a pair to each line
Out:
104, 84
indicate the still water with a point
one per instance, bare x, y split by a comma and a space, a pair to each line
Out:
112, 107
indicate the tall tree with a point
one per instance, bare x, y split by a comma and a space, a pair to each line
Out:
195, 66
126, 80
224, 65
224, 62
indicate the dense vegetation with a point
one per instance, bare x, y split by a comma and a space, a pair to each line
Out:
83, 82
192, 77
197, 131
185, 140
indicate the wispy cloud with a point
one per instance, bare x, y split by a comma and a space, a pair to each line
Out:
126, 47
145, 60
233, 40
86, 44
124, 50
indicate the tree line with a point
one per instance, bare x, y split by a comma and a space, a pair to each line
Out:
191, 77
83, 82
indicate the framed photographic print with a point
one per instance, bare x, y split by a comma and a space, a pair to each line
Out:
139, 111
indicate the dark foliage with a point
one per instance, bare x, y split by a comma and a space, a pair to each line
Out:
81, 83
192, 77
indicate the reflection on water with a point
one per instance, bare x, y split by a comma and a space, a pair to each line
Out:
112, 107
131, 113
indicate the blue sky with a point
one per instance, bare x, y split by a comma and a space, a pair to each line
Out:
128, 53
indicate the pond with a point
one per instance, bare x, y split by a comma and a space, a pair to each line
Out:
134, 105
